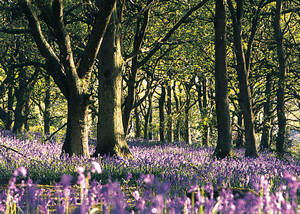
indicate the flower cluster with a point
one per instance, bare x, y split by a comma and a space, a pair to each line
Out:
151, 196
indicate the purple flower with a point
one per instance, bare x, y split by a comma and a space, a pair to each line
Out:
96, 167
80, 169
65, 180
22, 171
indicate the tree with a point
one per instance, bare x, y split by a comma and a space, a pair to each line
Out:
110, 131
244, 94
281, 79
71, 76
224, 144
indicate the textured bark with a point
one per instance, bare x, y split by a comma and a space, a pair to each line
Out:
281, 80
244, 94
111, 135
224, 144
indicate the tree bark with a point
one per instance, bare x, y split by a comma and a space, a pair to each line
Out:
72, 80
245, 94
47, 106
204, 113
170, 137
137, 123
281, 80
161, 106
224, 144
111, 135
266, 132
148, 118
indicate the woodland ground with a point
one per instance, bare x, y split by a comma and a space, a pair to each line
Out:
168, 171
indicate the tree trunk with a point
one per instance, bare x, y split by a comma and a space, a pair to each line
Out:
137, 124
21, 96
147, 118
266, 132
187, 132
204, 114
245, 94
76, 141
138, 41
47, 106
151, 123
240, 133
224, 144
161, 106
281, 80
111, 135
170, 137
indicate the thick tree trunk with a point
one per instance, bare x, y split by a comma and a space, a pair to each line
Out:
76, 141
224, 144
111, 135
266, 132
245, 94
170, 137
281, 80
161, 106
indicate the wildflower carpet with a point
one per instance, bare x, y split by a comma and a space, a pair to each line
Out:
168, 178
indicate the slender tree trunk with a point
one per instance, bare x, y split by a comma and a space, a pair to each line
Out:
224, 144
137, 124
161, 104
47, 106
10, 101
240, 134
147, 118
177, 124
245, 94
281, 79
111, 135
138, 41
187, 137
169, 113
204, 114
266, 132
151, 123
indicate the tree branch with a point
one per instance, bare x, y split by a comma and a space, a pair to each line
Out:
54, 67
168, 35
102, 19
